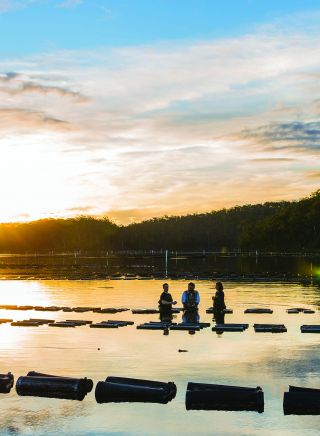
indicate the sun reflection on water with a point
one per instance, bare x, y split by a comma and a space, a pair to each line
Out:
244, 359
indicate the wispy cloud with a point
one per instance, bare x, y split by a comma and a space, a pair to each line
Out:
19, 120
12, 5
294, 135
15, 83
313, 174
172, 128
273, 160
7, 5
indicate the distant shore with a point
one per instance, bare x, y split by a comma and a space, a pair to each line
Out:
233, 266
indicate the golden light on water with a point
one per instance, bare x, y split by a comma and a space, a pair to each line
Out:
19, 293
23, 293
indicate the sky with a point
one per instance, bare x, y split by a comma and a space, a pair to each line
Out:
135, 108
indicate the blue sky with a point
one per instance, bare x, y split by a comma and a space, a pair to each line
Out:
139, 108
28, 26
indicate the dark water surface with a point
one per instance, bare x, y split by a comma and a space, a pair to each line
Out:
272, 361
235, 266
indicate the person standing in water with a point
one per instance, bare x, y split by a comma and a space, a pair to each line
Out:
190, 298
166, 301
219, 304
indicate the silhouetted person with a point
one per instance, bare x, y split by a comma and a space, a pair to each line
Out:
166, 302
190, 301
219, 304
190, 298
165, 306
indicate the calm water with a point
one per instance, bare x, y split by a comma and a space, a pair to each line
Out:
272, 361
234, 266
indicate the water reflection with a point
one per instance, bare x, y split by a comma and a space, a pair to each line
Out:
191, 316
244, 359
233, 266
218, 316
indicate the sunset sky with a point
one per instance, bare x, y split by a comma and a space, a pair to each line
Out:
139, 108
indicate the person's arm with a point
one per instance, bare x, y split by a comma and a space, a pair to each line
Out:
197, 297
165, 302
165, 299
223, 302
215, 298
184, 299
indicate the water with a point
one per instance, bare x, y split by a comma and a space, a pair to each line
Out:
235, 266
273, 361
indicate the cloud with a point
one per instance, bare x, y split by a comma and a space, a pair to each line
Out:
294, 135
6, 77
19, 120
313, 174
15, 83
12, 5
273, 159
179, 127
7, 5
80, 209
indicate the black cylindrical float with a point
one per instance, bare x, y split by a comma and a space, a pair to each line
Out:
122, 389
52, 387
301, 401
6, 383
87, 381
201, 396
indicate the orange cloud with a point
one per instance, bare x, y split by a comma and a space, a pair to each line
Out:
178, 128
19, 119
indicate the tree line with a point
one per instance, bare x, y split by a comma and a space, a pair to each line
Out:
270, 226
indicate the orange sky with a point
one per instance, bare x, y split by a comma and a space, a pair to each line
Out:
176, 128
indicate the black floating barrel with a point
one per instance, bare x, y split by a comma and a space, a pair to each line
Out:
197, 324
293, 310
123, 389
202, 396
120, 323
310, 328
258, 310
6, 383
186, 327
269, 328
230, 327
150, 326
88, 382
301, 401
225, 311
52, 387
144, 311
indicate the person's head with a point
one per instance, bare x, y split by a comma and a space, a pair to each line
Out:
165, 287
219, 286
191, 286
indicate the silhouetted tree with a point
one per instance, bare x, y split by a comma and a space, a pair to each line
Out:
269, 226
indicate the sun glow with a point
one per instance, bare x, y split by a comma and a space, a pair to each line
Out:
38, 180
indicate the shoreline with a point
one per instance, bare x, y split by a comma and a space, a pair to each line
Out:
225, 278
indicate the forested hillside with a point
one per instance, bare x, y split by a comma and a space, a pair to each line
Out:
270, 226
